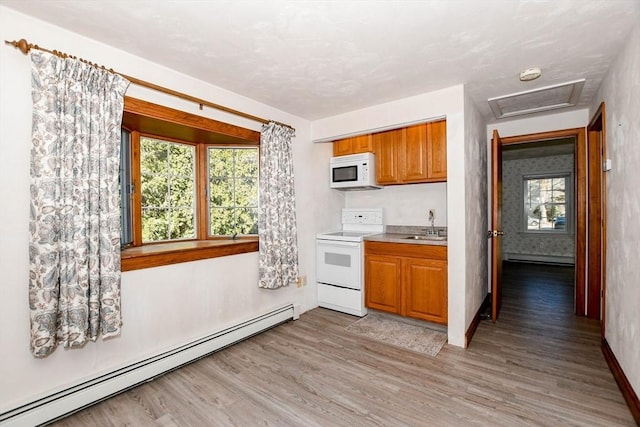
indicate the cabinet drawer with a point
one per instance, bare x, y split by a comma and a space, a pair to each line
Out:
406, 249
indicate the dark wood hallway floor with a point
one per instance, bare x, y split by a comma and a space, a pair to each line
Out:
539, 365
539, 298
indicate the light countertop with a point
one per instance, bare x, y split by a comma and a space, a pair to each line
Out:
403, 238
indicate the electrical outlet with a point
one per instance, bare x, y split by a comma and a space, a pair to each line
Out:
432, 214
302, 281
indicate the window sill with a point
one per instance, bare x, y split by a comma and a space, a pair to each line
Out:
159, 254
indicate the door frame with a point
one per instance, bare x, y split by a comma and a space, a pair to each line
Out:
597, 229
580, 202
496, 232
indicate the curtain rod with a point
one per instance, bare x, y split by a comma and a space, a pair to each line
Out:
24, 46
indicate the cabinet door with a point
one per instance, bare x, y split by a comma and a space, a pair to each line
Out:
361, 144
342, 147
413, 154
425, 289
353, 145
382, 286
386, 145
437, 150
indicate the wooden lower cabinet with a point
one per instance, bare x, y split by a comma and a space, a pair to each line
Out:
425, 289
383, 276
407, 279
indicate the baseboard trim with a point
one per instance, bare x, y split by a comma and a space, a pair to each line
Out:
625, 387
475, 322
73, 399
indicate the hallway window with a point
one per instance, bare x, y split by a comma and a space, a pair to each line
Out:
545, 203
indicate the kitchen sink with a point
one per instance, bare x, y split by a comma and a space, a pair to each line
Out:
426, 237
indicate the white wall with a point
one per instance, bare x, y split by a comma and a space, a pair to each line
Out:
425, 107
405, 204
475, 167
526, 125
162, 307
619, 91
447, 103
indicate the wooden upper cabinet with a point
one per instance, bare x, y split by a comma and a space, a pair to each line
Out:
353, 145
342, 147
362, 144
412, 155
386, 145
437, 150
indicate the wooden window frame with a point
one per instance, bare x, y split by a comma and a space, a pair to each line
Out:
143, 118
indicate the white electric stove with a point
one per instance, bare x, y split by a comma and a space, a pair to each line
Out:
340, 261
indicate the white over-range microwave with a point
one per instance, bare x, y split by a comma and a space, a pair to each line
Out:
353, 172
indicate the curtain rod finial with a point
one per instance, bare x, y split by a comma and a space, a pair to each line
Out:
22, 45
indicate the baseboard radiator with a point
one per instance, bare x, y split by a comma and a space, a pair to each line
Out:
548, 259
89, 392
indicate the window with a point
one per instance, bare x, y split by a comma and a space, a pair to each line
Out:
167, 187
546, 202
126, 233
233, 191
189, 187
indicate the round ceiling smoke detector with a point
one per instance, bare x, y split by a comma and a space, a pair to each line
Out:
530, 74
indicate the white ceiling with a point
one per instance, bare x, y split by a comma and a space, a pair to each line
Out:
321, 58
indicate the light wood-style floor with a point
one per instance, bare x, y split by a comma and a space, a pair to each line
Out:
538, 366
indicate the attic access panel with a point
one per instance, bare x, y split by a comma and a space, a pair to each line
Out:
541, 99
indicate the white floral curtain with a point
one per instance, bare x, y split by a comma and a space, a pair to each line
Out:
74, 249
278, 258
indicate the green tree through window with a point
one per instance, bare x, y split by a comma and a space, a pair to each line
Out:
167, 183
233, 190
169, 187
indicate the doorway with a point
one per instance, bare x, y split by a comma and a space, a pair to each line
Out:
538, 201
579, 206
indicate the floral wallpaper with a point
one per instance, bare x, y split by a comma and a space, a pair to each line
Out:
528, 246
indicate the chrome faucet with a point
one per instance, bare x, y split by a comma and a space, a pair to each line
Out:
432, 219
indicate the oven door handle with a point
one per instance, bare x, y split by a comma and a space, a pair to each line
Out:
338, 243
